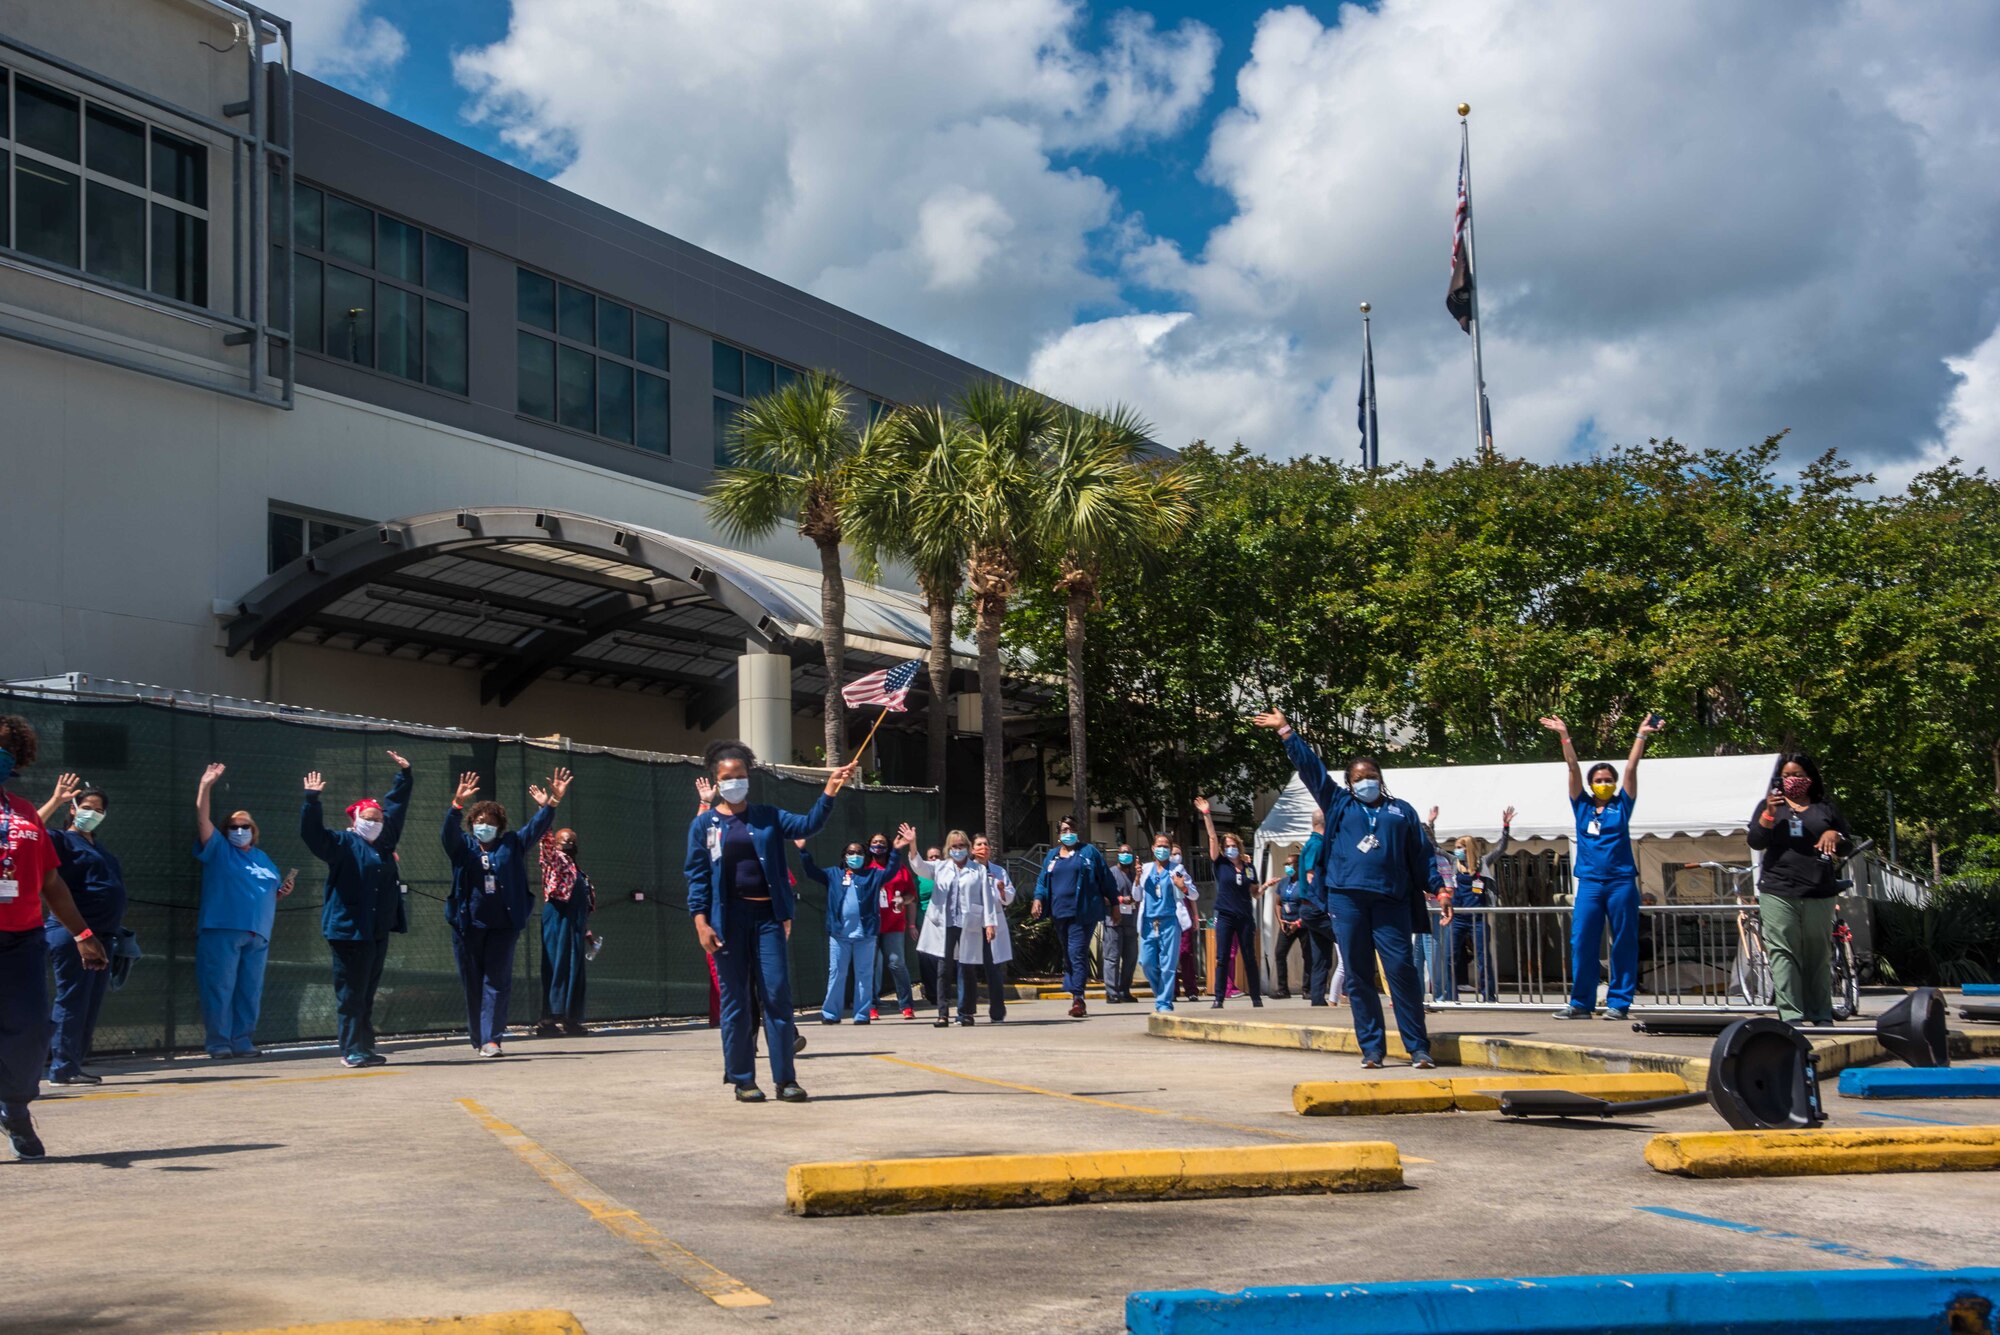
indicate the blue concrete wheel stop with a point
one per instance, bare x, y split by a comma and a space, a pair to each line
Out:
1797, 1302
1981, 989
1934, 1082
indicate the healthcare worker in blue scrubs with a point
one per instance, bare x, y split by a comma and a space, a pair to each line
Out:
1607, 877
853, 922
1236, 893
364, 901
96, 882
739, 893
1376, 865
1160, 890
30, 882
1075, 887
240, 890
488, 905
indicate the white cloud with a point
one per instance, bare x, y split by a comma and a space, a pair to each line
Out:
1968, 426
338, 41
1711, 220
895, 156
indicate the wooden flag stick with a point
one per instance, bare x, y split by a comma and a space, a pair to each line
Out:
862, 749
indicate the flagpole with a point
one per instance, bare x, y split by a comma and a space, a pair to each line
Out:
1483, 445
1371, 443
862, 749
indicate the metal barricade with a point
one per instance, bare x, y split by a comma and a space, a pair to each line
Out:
1691, 957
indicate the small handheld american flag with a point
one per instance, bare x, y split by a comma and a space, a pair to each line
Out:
888, 688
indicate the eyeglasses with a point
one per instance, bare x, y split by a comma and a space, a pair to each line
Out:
237, 827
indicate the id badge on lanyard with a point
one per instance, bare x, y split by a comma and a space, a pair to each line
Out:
1369, 843
487, 863
10, 888
1596, 826
715, 842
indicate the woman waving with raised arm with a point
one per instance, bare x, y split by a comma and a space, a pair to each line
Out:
1607, 877
1375, 866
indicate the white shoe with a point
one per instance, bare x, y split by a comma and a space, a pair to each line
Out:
490, 1050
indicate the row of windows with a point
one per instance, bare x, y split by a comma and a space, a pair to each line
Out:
94, 189
358, 235
591, 368
740, 375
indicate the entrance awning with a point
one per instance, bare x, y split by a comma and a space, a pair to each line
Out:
520, 595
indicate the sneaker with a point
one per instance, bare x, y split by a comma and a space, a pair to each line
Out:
1258, 1002
547, 1029
749, 1094
1216, 1005
575, 1030
1281, 996
1572, 1013
490, 1050
1423, 1063
860, 1020
354, 1059
373, 1059
246, 1052
1371, 1063
829, 1019
874, 1014
21, 1134
76, 1078
220, 1056
1076, 1010
791, 1093
1617, 1012
943, 1021
909, 1014
965, 1021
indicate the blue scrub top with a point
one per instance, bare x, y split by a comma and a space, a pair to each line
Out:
95, 880
1606, 855
1067, 879
239, 887
850, 904
1232, 887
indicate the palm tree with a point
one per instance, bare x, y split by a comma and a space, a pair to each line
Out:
1007, 431
794, 453
908, 503
1100, 502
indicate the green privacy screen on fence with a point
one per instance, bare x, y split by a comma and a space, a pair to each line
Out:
630, 812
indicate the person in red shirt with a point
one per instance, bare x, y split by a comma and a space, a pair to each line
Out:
899, 892
28, 880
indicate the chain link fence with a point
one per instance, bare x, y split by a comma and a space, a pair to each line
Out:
630, 811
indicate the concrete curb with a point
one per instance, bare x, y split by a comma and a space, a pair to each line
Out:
1851, 1302
1280, 1034
544, 1322
1817, 1153
1941, 1082
1364, 1098
895, 1186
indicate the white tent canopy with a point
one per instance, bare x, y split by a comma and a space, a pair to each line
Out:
1692, 795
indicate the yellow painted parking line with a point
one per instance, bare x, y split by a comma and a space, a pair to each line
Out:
1106, 1103
721, 1289
549, 1321
206, 1086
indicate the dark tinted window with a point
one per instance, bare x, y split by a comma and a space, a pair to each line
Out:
117, 146
308, 212
48, 220
180, 255
285, 537
651, 411
444, 262
537, 372
399, 332
306, 307
576, 389
444, 346
535, 299
614, 400
180, 169
350, 231
652, 342
399, 249
614, 328
728, 369
114, 242
45, 118
758, 377
350, 316
577, 314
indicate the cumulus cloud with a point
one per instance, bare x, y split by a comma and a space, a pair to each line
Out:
340, 42
1708, 219
907, 159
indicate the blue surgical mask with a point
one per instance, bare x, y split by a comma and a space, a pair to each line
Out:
855, 861
1162, 854
1368, 790
1231, 853
960, 854
733, 791
241, 837
6, 765
1291, 873
1069, 839
1124, 859
86, 819
485, 833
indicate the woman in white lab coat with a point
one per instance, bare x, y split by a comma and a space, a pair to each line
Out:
965, 929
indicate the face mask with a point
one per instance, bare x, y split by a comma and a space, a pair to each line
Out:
1231, 853
367, 829
1368, 790
878, 850
960, 854
1069, 839
1124, 859
1177, 859
1291, 873
6, 765
1798, 787
1603, 791
854, 861
86, 819
1162, 854
485, 833
733, 791
241, 837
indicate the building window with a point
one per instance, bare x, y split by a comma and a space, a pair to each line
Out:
591, 364
290, 533
376, 291
739, 377
96, 190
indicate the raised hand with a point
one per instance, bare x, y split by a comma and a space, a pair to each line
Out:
704, 788
1556, 725
211, 774
538, 794
1432, 819
799, 844
468, 788
1201, 805
906, 835
315, 781
838, 779
1269, 718
67, 787
1507, 816
559, 782
400, 762
1647, 727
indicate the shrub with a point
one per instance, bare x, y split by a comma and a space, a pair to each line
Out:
1952, 940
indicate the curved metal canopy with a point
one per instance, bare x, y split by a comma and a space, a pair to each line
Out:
521, 594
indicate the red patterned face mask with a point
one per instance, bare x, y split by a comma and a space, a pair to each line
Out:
1798, 787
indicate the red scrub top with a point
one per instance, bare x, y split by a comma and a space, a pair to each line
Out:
27, 856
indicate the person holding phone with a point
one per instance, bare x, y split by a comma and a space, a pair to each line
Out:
1164, 920
240, 890
364, 901
1801, 833
740, 897
1607, 877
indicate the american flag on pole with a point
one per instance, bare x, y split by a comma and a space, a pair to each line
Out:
888, 688
1458, 297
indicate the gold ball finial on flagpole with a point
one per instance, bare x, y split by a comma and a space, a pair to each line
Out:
1465, 108
1365, 308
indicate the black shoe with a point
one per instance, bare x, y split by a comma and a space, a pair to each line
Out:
798, 1042
965, 1021
575, 1030
1258, 1002
749, 1094
373, 1059
1216, 1005
791, 1093
547, 1029
77, 1078
1283, 994
943, 1021
27, 1145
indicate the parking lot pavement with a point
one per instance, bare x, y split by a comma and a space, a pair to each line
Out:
615, 1177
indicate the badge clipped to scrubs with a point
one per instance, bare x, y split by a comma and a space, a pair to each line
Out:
1595, 827
491, 884
715, 843
10, 890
